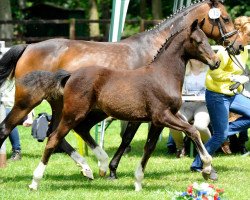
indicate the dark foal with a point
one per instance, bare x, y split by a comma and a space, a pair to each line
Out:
151, 93
130, 53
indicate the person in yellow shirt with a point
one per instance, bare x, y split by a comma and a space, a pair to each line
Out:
220, 99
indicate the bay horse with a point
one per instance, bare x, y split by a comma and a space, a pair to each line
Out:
130, 53
150, 93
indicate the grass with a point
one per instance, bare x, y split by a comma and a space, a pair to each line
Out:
164, 173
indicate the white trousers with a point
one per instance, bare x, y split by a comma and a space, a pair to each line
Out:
197, 113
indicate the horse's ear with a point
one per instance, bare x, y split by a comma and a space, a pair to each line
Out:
194, 25
202, 23
215, 2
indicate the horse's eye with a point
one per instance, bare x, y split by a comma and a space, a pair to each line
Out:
198, 42
195, 42
226, 19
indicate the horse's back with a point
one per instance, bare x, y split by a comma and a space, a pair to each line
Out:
70, 55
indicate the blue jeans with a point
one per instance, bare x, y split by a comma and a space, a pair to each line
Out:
218, 106
14, 136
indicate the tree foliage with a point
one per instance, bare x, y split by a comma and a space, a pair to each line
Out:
138, 9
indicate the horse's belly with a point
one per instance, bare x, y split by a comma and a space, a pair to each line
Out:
123, 106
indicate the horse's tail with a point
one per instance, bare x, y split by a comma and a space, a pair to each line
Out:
9, 60
45, 84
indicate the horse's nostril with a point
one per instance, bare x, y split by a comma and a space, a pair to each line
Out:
217, 64
241, 47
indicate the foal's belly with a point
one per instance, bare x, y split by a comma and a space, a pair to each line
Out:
126, 104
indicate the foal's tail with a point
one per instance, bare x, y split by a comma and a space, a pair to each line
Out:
9, 60
45, 84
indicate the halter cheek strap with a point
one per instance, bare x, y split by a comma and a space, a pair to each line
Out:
214, 15
223, 35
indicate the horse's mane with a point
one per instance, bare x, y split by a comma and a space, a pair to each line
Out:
183, 10
166, 44
175, 18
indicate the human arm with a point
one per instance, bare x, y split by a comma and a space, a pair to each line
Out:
28, 122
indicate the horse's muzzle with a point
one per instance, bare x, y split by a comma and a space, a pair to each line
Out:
215, 65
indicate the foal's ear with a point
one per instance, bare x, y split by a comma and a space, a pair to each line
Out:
202, 23
194, 25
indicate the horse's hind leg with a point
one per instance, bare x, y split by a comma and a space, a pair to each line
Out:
69, 120
53, 141
173, 121
81, 161
127, 137
56, 106
83, 129
22, 107
149, 147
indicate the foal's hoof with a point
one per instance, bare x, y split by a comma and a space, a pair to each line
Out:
212, 175
138, 186
88, 174
102, 173
32, 187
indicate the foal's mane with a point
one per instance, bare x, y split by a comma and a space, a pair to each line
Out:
166, 44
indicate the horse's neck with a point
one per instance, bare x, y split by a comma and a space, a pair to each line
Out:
149, 42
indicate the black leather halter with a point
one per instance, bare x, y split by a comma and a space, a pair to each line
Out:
224, 36
229, 48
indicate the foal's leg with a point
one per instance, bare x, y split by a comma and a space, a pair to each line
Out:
153, 136
70, 119
53, 141
174, 121
126, 140
56, 107
83, 129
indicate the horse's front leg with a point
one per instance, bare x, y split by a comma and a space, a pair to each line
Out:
83, 129
153, 136
174, 121
127, 137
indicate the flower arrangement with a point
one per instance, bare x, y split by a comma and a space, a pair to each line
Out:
203, 191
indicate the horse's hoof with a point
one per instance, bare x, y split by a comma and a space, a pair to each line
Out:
138, 187
112, 178
102, 173
205, 175
212, 175
207, 169
87, 173
32, 187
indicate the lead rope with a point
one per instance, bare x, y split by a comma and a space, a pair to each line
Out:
232, 54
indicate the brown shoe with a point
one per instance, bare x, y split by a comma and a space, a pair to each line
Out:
226, 148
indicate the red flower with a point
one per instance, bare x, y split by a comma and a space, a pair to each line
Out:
219, 190
204, 198
190, 189
216, 195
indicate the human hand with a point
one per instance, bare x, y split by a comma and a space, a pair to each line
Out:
239, 78
28, 122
